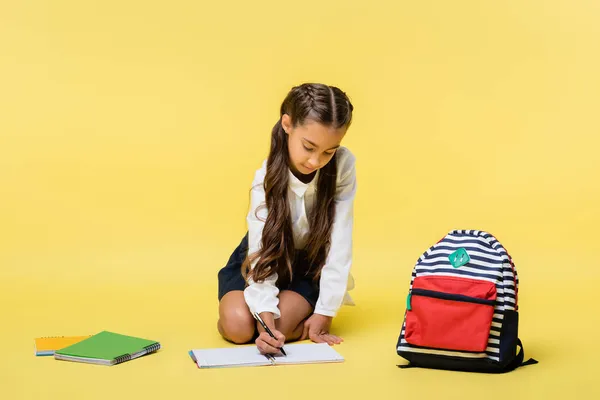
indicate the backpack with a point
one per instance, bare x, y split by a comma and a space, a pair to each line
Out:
462, 307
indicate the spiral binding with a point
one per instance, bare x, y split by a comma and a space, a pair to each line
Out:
54, 337
152, 348
59, 337
147, 349
123, 358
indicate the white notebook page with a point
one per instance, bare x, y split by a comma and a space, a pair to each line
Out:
308, 353
250, 356
230, 357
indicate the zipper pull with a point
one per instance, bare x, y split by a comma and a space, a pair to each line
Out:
408, 298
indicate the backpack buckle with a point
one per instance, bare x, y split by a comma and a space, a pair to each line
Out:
459, 258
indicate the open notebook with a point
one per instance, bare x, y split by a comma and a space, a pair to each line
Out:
249, 356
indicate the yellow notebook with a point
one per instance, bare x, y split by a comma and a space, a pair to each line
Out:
46, 346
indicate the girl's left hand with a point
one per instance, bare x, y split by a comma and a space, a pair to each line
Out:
316, 328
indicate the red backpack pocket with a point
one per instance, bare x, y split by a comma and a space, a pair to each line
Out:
450, 313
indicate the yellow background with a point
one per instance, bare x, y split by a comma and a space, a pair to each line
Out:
130, 132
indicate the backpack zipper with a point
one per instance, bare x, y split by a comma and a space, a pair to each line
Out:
446, 296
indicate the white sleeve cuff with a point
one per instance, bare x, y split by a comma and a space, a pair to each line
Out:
263, 297
323, 311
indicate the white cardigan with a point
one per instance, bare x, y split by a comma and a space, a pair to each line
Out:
336, 279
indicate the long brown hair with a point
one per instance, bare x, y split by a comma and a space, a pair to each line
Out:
327, 105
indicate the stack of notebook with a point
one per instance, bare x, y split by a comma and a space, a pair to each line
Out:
104, 348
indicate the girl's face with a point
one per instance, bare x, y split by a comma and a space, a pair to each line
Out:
311, 145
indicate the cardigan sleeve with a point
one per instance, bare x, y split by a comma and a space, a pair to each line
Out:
335, 272
260, 296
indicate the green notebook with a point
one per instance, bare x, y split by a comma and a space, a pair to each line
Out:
107, 348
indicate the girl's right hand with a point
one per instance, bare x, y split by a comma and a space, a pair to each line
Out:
267, 345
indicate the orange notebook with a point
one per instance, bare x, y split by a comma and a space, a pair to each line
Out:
46, 346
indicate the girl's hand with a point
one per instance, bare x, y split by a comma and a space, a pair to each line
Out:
267, 345
316, 328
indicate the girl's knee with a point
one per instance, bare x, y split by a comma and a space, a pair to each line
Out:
290, 328
237, 325
283, 327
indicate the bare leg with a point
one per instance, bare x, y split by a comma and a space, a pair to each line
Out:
294, 310
236, 323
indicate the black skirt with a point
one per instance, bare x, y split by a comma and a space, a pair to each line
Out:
302, 282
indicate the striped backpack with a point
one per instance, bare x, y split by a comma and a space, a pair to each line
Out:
462, 307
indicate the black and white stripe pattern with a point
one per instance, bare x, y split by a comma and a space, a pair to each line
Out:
489, 262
